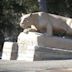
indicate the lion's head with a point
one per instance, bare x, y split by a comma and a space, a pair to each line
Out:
25, 21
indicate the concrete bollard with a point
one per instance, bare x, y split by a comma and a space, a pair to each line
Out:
10, 50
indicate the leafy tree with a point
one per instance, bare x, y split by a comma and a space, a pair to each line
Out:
60, 7
10, 13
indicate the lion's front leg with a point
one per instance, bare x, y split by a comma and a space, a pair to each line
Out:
26, 30
29, 30
49, 30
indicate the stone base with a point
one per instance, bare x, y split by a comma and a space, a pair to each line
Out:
36, 46
54, 42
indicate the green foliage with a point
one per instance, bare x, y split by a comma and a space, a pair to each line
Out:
31, 5
10, 13
60, 7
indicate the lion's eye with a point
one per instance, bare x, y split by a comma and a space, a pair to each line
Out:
27, 21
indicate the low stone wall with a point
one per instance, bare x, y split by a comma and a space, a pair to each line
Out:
36, 66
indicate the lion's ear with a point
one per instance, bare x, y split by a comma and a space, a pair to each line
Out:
30, 14
23, 14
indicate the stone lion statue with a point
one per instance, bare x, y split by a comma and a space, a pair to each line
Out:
46, 23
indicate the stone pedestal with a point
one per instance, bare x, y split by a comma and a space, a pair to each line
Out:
54, 42
26, 45
38, 46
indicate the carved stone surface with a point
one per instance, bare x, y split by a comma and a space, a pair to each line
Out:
38, 46
48, 53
